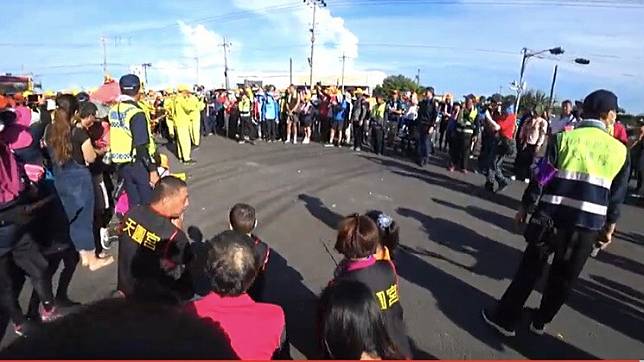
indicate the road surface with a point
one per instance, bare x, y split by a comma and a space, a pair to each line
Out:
459, 249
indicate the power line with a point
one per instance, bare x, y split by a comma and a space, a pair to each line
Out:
623, 4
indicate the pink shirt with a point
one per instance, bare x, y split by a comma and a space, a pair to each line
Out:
255, 329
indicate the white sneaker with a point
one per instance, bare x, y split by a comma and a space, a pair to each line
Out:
287, 141
328, 145
306, 141
105, 239
513, 178
526, 180
357, 149
294, 141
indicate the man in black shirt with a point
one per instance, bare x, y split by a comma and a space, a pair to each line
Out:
427, 113
153, 249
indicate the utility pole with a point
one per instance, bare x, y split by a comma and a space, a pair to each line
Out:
145, 67
315, 4
226, 44
552, 88
344, 58
418, 77
290, 70
104, 55
524, 57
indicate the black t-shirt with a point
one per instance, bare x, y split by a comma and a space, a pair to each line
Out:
78, 137
153, 254
381, 278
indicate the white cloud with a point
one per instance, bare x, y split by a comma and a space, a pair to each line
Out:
202, 47
333, 38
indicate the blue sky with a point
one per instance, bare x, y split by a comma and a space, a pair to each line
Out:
466, 46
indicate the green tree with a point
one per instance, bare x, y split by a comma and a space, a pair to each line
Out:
396, 82
533, 98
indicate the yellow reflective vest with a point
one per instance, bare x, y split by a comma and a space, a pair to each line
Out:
121, 143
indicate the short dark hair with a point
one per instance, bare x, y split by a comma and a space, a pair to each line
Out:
87, 109
567, 101
167, 186
242, 218
351, 323
232, 264
358, 237
125, 329
430, 89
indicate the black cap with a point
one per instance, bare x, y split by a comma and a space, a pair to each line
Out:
496, 98
130, 82
430, 89
600, 102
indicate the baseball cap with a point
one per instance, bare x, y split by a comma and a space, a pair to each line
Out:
600, 102
130, 82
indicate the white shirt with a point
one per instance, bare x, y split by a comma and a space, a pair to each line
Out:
559, 124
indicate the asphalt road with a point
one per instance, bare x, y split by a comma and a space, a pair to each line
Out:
460, 249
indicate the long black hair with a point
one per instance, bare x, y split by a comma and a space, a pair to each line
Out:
351, 323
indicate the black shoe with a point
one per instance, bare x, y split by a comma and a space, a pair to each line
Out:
538, 328
502, 186
490, 318
489, 187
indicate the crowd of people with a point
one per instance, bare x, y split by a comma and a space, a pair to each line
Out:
68, 162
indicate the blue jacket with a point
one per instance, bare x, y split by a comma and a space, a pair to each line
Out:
270, 109
342, 108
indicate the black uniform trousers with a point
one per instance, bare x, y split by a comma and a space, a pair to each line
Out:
572, 248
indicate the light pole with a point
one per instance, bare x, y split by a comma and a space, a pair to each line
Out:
526, 54
580, 61
315, 4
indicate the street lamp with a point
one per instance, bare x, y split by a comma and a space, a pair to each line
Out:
580, 61
526, 56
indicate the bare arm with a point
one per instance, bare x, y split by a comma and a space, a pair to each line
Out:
89, 154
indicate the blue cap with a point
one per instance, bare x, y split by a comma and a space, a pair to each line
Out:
130, 82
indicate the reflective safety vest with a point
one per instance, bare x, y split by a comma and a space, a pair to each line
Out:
121, 143
467, 123
588, 160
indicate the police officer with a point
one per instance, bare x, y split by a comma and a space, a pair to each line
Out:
131, 143
574, 200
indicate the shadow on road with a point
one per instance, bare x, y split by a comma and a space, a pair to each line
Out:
630, 237
285, 287
320, 211
488, 216
610, 303
434, 178
459, 238
605, 256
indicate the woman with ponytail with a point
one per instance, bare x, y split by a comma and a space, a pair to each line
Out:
71, 151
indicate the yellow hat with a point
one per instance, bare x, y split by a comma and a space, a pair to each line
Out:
359, 91
183, 88
49, 93
74, 91
169, 90
27, 93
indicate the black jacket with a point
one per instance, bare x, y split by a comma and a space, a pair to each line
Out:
427, 113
